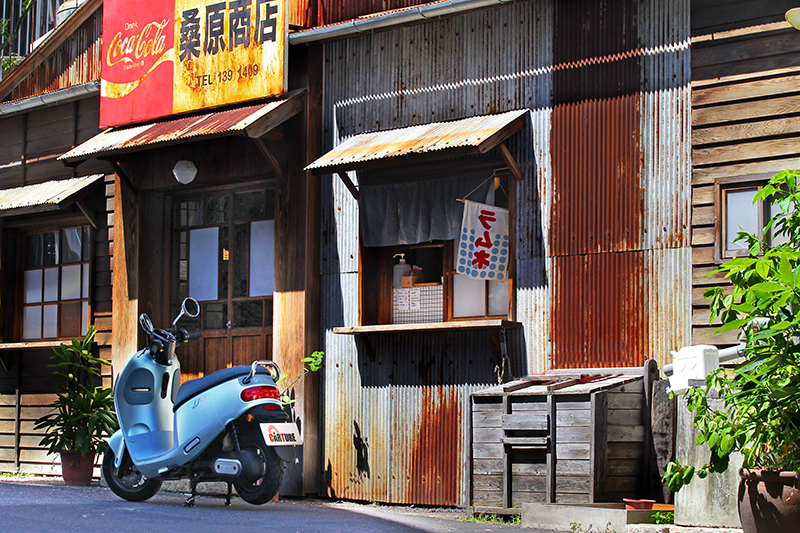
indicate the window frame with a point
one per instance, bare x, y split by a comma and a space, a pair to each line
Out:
231, 299
375, 264
721, 187
85, 281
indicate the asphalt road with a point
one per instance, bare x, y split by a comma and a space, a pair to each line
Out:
29, 507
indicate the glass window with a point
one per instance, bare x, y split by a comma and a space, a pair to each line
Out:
741, 215
228, 263
204, 263
262, 258
56, 298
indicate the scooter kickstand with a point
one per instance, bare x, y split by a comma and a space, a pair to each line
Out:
190, 500
228, 496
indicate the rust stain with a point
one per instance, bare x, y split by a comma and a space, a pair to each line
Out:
598, 201
599, 310
435, 473
74, 62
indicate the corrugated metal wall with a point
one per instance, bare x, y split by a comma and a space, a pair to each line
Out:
601, 225
76, 61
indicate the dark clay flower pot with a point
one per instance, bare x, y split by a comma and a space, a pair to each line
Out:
769, 502
76, 469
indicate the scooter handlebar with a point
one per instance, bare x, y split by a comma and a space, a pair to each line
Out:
194, 334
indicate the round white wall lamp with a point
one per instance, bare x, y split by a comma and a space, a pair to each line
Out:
184, 171
793, 17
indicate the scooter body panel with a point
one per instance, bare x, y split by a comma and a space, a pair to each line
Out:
159, 440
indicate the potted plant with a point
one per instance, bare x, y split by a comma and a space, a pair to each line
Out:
82, 415
761, 396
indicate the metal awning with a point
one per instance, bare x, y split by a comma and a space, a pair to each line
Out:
46, 196
474, 135
251, 121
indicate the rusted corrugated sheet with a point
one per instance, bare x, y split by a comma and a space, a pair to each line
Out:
597, 182
622, 296
599, 313
227, 122
74, 62
480, 133
45, 196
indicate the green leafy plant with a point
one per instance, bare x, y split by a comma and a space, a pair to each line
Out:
9, 33
83, 414
760, 414
311, 363
663, 517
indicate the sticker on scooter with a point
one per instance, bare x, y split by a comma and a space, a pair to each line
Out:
281, 434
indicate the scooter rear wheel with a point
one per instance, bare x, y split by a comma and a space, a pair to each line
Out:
126, 481
269, 481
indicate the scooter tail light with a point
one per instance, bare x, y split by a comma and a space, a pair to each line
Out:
260, 392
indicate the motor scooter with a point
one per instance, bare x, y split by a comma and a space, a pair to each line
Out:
228, 426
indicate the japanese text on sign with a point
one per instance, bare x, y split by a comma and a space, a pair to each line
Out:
483, 250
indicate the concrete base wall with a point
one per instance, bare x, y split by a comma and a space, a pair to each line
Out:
594, 518
710, 502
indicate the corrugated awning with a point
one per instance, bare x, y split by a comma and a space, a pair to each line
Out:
252, 121
46, 196
475, 135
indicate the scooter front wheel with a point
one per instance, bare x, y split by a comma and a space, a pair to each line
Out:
266, 486
126, 481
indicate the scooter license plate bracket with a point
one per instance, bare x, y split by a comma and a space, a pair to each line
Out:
281, 434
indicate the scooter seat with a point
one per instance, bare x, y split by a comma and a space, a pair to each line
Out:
194, 387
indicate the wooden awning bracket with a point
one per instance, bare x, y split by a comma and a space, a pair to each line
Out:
3, 362
268, 155
510, 161
349, 184
124, 177
88, 214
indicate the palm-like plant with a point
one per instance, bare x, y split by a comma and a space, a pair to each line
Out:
83, 414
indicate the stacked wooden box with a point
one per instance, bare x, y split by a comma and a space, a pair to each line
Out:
558, 438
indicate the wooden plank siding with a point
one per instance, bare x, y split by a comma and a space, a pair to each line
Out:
745, 121
599, 447
30, 144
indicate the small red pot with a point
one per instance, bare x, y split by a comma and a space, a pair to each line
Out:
638, 504
77, 469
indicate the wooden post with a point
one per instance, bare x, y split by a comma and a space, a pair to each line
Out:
507, 477
17, 413
550, 483
598, 448
125, 290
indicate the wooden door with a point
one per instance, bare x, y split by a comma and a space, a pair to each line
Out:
223, 249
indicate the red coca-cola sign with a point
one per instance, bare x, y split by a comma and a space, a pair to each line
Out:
162, 57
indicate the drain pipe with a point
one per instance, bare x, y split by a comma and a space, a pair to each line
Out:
369, 24
48, 99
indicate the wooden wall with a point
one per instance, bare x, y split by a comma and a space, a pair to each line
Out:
30, 144
745, 118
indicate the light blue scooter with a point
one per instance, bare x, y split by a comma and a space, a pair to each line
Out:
227, 426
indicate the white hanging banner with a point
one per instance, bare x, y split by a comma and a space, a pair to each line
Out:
483, 250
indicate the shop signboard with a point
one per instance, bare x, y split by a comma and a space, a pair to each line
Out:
163, 57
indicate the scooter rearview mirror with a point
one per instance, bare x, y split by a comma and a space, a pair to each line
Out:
146, 323
191, 307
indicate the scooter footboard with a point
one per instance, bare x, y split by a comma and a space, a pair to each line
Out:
117, 445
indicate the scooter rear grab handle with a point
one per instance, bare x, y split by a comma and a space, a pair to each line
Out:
271, 365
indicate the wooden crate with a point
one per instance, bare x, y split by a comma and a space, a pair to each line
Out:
557, 439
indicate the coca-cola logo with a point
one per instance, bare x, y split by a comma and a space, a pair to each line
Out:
133, 46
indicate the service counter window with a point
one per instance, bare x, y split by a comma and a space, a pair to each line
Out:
55, 295
419, 263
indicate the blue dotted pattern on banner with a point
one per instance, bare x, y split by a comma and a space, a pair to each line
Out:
498, 257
